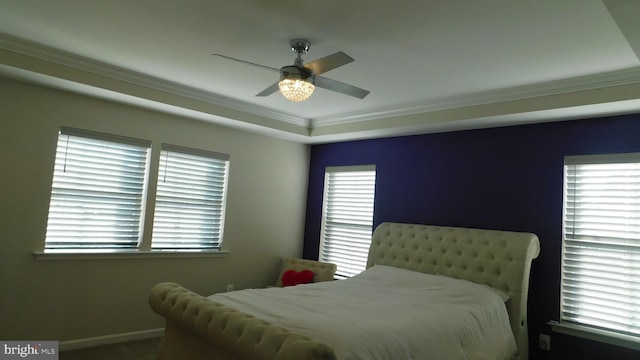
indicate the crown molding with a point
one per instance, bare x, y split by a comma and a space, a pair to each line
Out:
576, 84
609, 80
73, 61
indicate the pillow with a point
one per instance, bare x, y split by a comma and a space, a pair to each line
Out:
503, 296
293, 278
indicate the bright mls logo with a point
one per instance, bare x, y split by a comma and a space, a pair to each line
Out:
29, 350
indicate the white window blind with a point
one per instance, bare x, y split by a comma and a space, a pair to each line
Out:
601, 243
347, 219
190, 199
97, 192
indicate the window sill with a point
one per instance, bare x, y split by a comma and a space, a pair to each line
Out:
609, 337
126, 254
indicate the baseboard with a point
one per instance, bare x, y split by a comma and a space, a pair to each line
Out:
110, 339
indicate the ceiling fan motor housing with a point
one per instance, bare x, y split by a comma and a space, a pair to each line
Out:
296, 73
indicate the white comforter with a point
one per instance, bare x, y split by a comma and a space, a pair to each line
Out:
388, 313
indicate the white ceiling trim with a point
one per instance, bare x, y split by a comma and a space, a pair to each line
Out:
444, 114
591, 82
615, 78
88, 90
96, 67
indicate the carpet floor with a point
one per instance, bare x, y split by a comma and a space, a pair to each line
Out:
133, 350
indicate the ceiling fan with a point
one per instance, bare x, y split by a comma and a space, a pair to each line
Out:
298, 81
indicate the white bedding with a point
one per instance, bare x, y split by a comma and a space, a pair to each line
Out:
388, 313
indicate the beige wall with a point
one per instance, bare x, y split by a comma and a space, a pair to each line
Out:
75, 299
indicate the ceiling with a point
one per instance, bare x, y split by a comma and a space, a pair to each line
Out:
431, 65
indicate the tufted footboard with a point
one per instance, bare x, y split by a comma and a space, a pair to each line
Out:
198, 328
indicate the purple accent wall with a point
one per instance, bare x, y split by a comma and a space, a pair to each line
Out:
507, 178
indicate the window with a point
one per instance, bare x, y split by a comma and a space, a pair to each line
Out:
347, 218
190, 199
97, 191
100, 190
601, 244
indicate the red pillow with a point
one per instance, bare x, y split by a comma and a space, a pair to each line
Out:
293, 278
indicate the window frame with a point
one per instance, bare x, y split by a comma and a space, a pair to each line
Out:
144, 243
569, 324
342, 273
215, 158
83, 161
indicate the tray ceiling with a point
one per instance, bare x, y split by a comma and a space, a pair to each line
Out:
431, 65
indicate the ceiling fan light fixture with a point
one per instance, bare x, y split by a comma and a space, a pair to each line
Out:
296, 83
296, 89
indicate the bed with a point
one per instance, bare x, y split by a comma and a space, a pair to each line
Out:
493, 264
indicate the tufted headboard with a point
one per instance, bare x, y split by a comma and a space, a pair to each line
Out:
500, 259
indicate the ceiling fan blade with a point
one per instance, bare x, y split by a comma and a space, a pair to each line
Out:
246, 62
268, 91
329, 62
343, 88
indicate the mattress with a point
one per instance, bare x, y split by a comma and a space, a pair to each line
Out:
389, 313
